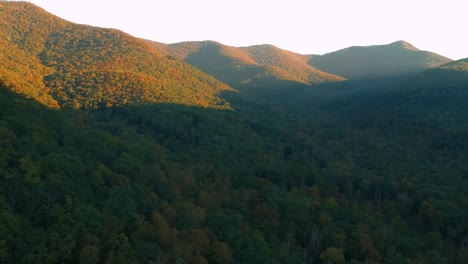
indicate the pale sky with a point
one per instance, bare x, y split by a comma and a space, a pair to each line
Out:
302, 26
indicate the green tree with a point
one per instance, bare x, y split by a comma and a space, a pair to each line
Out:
332, 255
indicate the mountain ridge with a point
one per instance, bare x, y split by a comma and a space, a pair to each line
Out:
84, 66
239, 66
359, 62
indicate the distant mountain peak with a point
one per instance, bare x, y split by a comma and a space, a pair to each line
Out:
403, 44
396, 58
263, 46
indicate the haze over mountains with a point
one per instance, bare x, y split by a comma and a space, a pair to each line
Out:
115, 149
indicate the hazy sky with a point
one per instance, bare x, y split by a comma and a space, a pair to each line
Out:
303, 26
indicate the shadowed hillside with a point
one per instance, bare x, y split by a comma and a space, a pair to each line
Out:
416, 107
398, 58
80, 66
448, 75
248, 66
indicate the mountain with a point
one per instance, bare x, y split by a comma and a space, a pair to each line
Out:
247, 66
397, 58
65, 64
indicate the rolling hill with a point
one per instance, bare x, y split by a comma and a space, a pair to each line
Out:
247, 66
397, 58
79, 66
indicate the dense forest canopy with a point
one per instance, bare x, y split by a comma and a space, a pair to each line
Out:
111, 152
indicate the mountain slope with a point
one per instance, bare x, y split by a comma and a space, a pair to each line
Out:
459, 65
398, 58
448, 75
83, 66
248, 66
431, 104
23, 32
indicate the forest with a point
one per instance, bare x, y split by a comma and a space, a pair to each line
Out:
165, 183
113, 151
